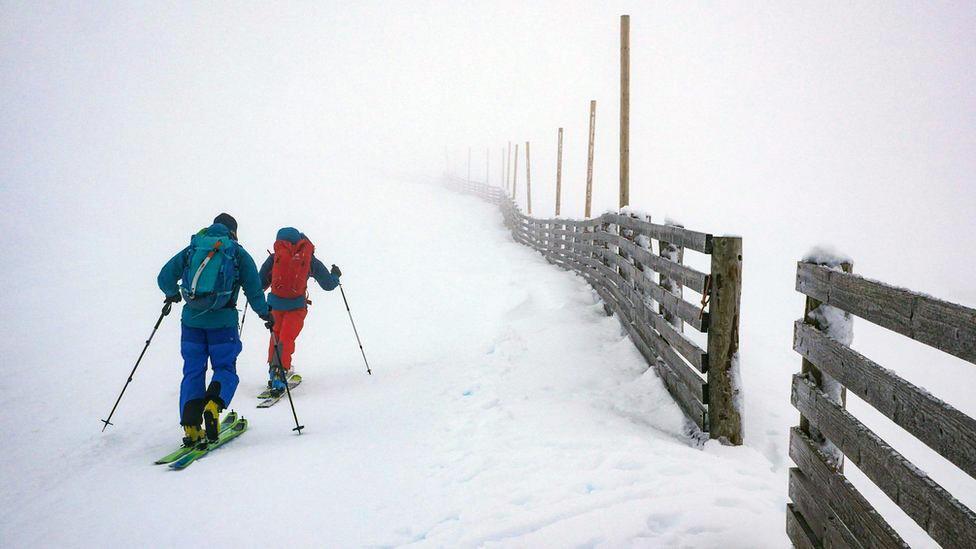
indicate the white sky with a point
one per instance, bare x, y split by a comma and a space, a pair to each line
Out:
852, 125
751, 109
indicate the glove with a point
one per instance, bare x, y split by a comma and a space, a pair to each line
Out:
175, 298
335, 271
268, 320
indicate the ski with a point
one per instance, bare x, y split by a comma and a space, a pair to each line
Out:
270, 401
225, 424
203, 449
290, 377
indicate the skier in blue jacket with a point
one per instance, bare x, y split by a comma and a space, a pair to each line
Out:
211, 334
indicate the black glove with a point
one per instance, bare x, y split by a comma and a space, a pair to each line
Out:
175, 298
268, 320
335, 271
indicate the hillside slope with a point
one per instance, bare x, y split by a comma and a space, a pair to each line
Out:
504, 408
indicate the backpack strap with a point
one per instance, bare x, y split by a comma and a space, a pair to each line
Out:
203, 265
232, 302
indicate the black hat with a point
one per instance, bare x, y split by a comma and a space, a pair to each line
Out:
228, 221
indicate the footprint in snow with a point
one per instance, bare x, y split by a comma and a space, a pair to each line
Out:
729, 502
663, 521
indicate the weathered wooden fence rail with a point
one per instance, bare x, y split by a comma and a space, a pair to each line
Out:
826, 510
614, 254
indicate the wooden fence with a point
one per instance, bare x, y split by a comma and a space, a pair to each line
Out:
614, 254
826, 510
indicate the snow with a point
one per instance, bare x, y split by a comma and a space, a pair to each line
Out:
835, 323
838, 325
736, 375
826, 255
505, 409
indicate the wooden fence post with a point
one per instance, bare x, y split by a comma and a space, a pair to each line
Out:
515, 177
724, 415
571, 244
624, 110
676, 254
589, 160
508, 167
628, 234
501, 171
821, 380
559, 170
605, 258
528, 179
560, 243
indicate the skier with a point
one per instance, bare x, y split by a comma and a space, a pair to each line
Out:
209, 274
286, 272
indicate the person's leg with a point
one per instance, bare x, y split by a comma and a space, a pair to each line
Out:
193, 347
224, 345
278, 315
291, 326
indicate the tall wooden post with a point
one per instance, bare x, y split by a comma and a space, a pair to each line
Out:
589, 160
559, 170
508, 167
515, 175
624, 110
501, 171
528, 179
724, 415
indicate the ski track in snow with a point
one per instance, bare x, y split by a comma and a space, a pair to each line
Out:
505, 410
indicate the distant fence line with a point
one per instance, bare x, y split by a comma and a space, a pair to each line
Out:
826, 509
614, 254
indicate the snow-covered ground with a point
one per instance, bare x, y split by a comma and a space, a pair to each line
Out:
505, 408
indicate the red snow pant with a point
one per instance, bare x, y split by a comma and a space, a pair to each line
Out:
287, 326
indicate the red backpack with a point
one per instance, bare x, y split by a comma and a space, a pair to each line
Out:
292, 263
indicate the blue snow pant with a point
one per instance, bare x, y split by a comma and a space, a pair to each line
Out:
221, 346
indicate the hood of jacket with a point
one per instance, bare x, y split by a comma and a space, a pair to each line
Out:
289, 234
217, 229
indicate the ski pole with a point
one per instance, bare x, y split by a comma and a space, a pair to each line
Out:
354, 330
243, 318
166, 308
281, 371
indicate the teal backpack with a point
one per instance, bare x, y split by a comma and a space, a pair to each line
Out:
211, 272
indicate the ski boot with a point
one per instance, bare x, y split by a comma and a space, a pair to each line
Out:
277, 382
211, 419
194, 435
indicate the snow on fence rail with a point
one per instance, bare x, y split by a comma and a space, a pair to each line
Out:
826, 510
613, 253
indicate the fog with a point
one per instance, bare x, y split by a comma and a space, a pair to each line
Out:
825, 124
126, 127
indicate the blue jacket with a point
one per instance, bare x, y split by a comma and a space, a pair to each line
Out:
319, 272
249, 279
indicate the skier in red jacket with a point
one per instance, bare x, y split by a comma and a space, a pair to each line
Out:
286, 272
